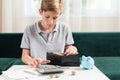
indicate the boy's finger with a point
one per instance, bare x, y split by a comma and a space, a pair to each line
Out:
45, 61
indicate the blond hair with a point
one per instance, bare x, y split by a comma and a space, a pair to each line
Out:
52, 5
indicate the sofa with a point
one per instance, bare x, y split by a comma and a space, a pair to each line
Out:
104, 47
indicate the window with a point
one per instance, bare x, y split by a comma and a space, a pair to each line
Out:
72, 8
99, 7
31, 8
77, 7
82, 15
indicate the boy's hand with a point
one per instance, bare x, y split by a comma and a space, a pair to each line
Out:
70, 50
36, 62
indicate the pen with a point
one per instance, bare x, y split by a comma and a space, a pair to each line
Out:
30, 72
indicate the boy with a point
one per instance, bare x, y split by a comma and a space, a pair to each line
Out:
47, 35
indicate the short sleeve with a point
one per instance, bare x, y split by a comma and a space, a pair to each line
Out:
25, 43
69, 37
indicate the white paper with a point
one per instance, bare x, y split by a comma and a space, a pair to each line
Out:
20, 74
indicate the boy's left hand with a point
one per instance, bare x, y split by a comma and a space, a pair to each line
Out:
70, 50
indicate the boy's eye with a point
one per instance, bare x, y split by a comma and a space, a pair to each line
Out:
54, 18
47, 16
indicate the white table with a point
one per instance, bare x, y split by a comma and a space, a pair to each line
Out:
80, 74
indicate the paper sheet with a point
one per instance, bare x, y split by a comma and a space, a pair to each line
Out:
20, 74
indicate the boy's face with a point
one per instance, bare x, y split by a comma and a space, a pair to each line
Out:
49, 18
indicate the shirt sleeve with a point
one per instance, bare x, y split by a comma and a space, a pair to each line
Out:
69, 37
25, 43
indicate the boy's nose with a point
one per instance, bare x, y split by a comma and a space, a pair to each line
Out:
50, 21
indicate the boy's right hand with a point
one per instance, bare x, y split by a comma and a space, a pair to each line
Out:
36, 62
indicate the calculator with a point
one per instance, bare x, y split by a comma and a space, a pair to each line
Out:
47, 69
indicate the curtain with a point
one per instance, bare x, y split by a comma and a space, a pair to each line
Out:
81, 15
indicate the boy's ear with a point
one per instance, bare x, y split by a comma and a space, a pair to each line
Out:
40, 11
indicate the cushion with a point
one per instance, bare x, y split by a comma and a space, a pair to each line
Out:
109, 66
5, 63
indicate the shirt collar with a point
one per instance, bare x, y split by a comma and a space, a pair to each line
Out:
40, 31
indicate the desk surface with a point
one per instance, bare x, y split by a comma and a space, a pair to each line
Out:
70, 73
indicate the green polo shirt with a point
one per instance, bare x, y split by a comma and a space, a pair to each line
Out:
39, 43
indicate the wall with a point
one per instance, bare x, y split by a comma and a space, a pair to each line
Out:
0, 15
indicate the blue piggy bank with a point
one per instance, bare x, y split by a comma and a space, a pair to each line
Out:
87, 62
